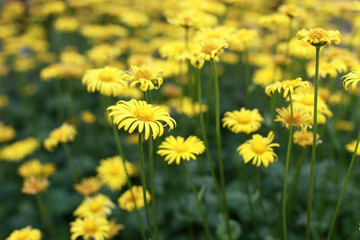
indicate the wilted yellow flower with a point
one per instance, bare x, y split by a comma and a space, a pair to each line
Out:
301, 117
91, 227
126, 200
17, 151
88, 117
245, 120
6, 132
145, 77
304, 138
287, 86
99, 206
27, 233
88, 186
64, 134
34, 168
34, 185
319, 37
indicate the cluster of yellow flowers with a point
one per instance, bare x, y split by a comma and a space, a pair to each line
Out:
64, 134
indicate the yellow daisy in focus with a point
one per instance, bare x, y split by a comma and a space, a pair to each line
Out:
177, 149
259, 149
145, 77
112, 173
108, 81
27, 233
304, 138
64, 134
6, 133
210, 49
301, 117
126, 201
287, 86
245, 120
132, 114
319, 37
88, 186
94, 228
99, 205
17, 151
352, 78
351, 147
34, 185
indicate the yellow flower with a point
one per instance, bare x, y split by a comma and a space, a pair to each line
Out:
245, 120
114, 228
301, 117
27, 233
352, 78
106, 80
17, 151
95, 228
103, 54
88, 117
243, 39
132, 114
99, 205
291, 10
177, 149
259, 149
304, 138
319, 37
287, 86
64, 134
134, 18
146, 77
35, 168
218, 32
174, 50
267, 75
6, 133
66, 24
126, 201
34, 185
186, 106
351, 147
300, 49
210, 49
112, 173
343, 125
88, 186
327, 68
191, 18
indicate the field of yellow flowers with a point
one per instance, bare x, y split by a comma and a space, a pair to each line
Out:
179, 120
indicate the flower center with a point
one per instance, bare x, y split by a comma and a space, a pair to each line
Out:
207, 47
22, 236
296, 118
243, 118
181, 147
114, 171
143, 74
106, 76
308, 100
90, 227
144, 114
95, 206
258, 147
317, 34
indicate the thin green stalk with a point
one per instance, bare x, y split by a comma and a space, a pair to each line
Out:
205, 139
258, 177
121, 152
143, 182
71, 162
247, 77
287, 163
59, 107
352, 163
218, 141
44, 216
198, 201
313, 152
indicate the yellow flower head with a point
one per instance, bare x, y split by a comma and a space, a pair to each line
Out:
186, 106
344, 125
177, 149
17, 151
88, 117
34, 185
191, 18
301, 117
64, 134
114, 228
243, 39
35, 168
174, 50
99, 205
88, 186
91, 227
27, 233
287, 86
112, 173
319, 37
267, 75
210, 49
132, 114
108, 81
327, 68
259, 149
351, 147
304, 138
126, 200
6, 133
66, 24
145, 77
352, 78
245, 120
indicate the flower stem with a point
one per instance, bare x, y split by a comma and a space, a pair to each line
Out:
121, 152
313, 152
71, 162
288, 154
352, 163
218, 141
44, 217
143, 182
198, 201
261, 195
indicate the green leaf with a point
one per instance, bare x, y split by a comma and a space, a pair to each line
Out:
235, 229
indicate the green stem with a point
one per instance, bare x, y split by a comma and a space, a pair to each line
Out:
71, 162
143, 182
313, 152
218, 141
44, 217
121, 152
352, 163
287, 163
261, 195
198, 201
59, 107
247, 77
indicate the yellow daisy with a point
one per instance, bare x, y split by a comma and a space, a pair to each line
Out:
34, 185
210, 49
145, 77
304, 138
114, 228
63, 134
88, 186
351, 147
301, 117
176, 149
126, 200
112, 173
132, 114
17, 151
95, 228
6, 133
287, 86
35, 168
108, 81
259, 149
99, 205
319, 37
88, 117
352, 78
245, 120
26, 233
